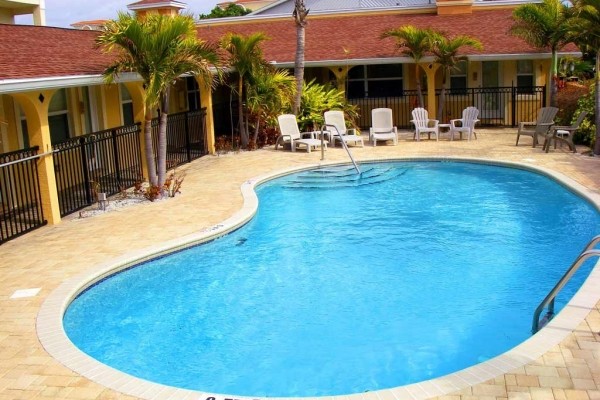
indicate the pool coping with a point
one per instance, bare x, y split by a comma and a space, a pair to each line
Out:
55, 341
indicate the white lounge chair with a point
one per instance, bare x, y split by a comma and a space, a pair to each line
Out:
465, 124
383, 126
541, 126
336, 118
423, 124
289, 133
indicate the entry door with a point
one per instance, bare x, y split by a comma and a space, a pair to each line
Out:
490, 106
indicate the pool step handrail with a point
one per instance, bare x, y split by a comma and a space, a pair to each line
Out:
344, 144
587, 252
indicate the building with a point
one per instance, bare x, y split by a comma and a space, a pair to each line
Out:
11, 8
53, 98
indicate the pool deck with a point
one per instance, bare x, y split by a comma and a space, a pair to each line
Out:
211, 193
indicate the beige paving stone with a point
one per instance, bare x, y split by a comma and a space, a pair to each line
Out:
541, 370
519, 395
528, 380
541, 394
576, 394
489, 390
584, 384
555, 382
594, 394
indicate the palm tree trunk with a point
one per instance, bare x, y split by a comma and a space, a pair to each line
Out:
162, 140
300, 14
149, 148
442, 99
242, 127
419, 89
256, 130
299, 67
597, 105
553, 79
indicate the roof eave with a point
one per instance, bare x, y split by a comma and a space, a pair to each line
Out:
32, 84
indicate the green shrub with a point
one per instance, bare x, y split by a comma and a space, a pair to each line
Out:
586, 134
316, 99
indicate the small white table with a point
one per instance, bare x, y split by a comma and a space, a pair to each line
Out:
447, 129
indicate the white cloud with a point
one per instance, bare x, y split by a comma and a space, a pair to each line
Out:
63, 13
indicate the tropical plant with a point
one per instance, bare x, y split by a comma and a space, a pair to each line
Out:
572, 67
316, 99
545, 26
270, 93
446, 53
245, 55
232, 10
586, 134
585, 29
414, 43
160, 49
300, 13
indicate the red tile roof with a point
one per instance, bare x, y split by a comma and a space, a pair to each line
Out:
327, 37
38, 51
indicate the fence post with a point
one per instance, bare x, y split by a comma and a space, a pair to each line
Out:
514, 105
86, 172
188, 145
115, 145
544, 96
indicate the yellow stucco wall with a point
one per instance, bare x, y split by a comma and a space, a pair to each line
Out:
112, 106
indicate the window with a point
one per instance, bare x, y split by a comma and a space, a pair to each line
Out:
193, 93
375, 81
525, 78
58, 117
126, 106
458, 79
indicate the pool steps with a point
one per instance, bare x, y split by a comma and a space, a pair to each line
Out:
340, 177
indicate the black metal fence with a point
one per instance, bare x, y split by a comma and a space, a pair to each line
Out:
20, 200
106, 161
186, 137
498, 106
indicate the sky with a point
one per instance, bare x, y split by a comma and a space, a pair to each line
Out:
63, 13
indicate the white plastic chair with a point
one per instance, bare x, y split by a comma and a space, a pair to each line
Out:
465, 124
383, 127
422, 124
336, 118
541, 126
289, 133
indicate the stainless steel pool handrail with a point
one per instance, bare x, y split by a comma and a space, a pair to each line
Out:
344, 144
586, 253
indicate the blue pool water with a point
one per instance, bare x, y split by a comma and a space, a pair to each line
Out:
341, 286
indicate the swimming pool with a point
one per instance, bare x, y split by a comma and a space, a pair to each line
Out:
439, 210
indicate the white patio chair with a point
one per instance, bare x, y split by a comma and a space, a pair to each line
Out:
336, 118
423, 124
383, 126
289, 133
465, 124
541, 126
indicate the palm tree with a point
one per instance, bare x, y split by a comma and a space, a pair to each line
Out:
544, 26
414, 43
160, 49
245, 55
585, 30
446, 53
271, 93
300, 14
